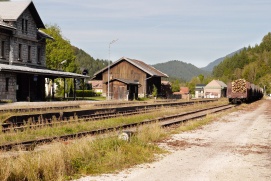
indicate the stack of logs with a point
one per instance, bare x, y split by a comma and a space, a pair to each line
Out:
239, 86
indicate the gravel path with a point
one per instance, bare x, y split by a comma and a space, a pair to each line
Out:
237, 147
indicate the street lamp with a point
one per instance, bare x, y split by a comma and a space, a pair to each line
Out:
108, 89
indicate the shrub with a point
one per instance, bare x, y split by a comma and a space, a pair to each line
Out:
87, 93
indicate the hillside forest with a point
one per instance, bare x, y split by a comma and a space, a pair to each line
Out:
251, 63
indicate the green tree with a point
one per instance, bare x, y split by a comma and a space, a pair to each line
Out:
192, 84
154, 91
58, 50
85, 61
60, 56
175, 86
201, 78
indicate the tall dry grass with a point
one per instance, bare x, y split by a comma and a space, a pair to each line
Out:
72, 159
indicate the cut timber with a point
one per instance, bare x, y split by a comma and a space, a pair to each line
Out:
239, 86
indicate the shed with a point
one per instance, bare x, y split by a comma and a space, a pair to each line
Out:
215, 89
97, 85
166, 91
130, 72
124, 89
184, 92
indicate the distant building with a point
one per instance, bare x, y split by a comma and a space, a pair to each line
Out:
184, 92
215, 89
129, 79
22, 53
199, 90
166, 91
97, 85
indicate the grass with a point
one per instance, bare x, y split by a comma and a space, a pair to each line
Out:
81, 157
81, 126
75, 158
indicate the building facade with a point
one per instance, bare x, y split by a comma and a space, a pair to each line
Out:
22, 53
215, 89
199, 90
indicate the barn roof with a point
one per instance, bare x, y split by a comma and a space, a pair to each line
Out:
12, 10
216, 84
139, 64
125, 81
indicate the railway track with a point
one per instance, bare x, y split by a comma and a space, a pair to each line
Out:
23, 122
162, 121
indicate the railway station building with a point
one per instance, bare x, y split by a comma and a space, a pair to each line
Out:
129, 79
22, 54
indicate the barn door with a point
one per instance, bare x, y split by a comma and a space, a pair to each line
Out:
121, 92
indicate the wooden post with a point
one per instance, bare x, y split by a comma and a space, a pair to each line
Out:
74, 89
64, 87
53, 88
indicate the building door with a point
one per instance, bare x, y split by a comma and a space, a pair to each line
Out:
122, 92
30, 87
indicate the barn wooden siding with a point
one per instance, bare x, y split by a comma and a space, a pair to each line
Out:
125, 70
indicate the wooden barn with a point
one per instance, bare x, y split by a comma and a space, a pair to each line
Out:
129, 79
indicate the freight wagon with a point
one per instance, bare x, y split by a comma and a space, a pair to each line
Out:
242, 91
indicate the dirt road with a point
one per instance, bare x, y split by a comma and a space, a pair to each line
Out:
237, 147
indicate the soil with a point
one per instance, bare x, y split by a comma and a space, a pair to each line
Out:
236, 147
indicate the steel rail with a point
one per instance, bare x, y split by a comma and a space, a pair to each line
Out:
41, 120
162, 121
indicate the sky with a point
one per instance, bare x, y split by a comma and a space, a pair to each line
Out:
157, 31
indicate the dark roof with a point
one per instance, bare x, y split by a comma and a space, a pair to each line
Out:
6, 26
139, 64
48, 72
125, 81
44, 35
12, 10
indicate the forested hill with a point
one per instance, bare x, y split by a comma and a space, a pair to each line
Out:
179, 69
252, 63
85, 61
211, 65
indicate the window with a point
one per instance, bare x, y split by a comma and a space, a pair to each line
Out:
29, 54
24, 25
7, 81
20, 52
2, 49
38, 55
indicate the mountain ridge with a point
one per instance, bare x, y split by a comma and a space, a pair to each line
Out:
180, 69
214, 63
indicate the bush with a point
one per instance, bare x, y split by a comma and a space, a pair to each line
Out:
87, 93
6, 101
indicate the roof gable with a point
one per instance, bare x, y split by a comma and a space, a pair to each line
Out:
11, 11
139, 64
216, 83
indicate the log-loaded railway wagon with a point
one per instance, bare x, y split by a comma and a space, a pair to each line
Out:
242, 91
